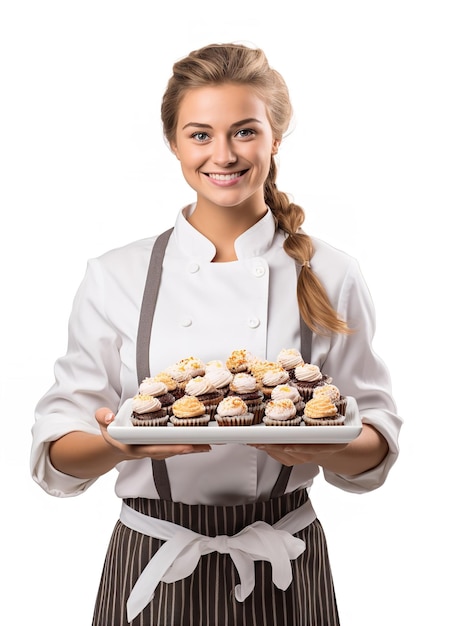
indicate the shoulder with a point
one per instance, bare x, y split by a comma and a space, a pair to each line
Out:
338, 270
128, 253
332, 264
122, 268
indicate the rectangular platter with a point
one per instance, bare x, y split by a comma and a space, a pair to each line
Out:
122, 430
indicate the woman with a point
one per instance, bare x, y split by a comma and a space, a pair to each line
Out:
236, 271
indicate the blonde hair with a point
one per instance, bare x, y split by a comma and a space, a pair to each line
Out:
233, 63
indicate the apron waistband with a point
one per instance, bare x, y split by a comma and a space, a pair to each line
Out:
179, 556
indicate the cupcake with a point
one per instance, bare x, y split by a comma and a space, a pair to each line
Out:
333, 393
281, 413
193, 366
239, 361
147, 411
289, 359
289, 392
158, 389
189, 411
219, 375
170, 383
322, 411
245, 386
180, 376
307, 377
260, 367
203, 389
271, 378
232, 411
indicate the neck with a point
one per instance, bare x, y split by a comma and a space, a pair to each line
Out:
223, 225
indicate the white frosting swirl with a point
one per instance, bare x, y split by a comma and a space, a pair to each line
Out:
274, 377
243, 383
220, 377
308, 373
215, 364
280, 409
152, 387
289, 358
178, 373
288, 392
331, 391
199, 385
231, 406
142, 404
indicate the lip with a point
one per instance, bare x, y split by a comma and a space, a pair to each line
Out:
225, 179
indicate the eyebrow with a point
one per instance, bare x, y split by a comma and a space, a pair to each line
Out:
249, 120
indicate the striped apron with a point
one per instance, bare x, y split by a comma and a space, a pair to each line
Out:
210, 594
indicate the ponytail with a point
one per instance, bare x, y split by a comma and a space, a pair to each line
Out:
314, 305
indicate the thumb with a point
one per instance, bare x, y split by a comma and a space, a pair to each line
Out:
104, 416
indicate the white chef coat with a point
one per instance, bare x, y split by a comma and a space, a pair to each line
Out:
207, 310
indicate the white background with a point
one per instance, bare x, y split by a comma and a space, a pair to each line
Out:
380, 158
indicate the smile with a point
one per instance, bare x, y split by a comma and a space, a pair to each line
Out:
226, 177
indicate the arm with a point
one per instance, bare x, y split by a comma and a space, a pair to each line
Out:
85, 455
364, 453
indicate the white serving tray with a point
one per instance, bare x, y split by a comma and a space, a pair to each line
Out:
122, 430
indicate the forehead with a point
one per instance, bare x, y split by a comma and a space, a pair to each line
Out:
221, 104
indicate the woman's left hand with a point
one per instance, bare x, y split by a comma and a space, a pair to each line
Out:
359, 455
295, 454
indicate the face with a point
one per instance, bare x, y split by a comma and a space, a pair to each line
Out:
224, 143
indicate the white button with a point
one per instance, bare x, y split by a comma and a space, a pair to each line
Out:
254, 322
186, 321
193, 267
259, 271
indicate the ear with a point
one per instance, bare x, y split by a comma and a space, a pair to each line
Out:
276, 145
174, 149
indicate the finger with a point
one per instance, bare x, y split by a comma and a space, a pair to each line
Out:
104, 416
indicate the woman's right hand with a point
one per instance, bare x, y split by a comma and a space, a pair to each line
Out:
104, 416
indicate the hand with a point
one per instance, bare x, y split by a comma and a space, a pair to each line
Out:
105, 417
295, 454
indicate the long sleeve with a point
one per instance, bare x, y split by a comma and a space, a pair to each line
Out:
359, 372
87, 377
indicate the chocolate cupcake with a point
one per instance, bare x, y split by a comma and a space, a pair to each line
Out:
232, 411
158, 389
307, 377
245, 386
289, 392
203, 389
322, 411
281, 413
218, 374
147, 411
289, 359
272, 377
189, 411
239, 361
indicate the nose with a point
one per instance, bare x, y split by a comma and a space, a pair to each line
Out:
223, 152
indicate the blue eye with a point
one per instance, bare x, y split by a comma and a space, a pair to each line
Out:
200, 136
245, 132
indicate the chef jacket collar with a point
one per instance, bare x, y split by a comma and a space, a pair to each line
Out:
253, 242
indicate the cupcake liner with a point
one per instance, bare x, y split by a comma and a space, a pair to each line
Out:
235, 420
211, 410
258, 410
324, 421
156, 421
306, 393
201, 420
295, 421
342, 405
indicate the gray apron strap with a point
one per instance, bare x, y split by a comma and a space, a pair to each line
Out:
149, 300
279, 487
